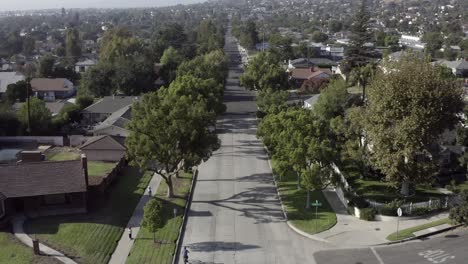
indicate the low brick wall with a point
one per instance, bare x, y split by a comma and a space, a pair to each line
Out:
107, 180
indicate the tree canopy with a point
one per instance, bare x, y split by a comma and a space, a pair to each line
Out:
170, 132
153, 217
410, 104
263, 72
39, 114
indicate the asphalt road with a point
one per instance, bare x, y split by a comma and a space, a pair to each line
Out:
450, 248
235, 215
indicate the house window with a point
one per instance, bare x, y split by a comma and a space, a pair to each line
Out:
82, 68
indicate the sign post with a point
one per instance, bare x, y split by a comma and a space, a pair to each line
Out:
316, 205
399, 213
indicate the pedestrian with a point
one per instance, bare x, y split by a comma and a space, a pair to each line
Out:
186, 255
150, 193
130, 233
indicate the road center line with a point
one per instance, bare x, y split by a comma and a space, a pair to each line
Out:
377, 256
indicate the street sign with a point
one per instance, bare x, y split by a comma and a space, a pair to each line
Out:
399, 212
317, 203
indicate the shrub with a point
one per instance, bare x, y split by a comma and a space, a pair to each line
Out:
358, 202
367, 214
459, 214
390, 209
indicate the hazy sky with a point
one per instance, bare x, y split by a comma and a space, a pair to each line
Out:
47, 4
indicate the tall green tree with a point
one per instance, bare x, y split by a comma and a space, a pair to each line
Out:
409, 106
271, 101
264, 71
98, 80
40, 116
211, 65
28, 46
72, 44
18, 91
170, 60
46, 66
168, 133
153, 217
207, 90
358, 54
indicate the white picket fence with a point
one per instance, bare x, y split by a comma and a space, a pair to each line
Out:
407, 207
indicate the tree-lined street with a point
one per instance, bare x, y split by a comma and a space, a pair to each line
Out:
235, 215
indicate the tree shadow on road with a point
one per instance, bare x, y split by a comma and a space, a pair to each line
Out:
212, 246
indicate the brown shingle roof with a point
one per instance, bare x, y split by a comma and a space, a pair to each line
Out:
46, 84
306, 74
42, 178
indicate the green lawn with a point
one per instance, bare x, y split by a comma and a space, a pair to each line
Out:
385, 192
61, 156
144, 249
381, 191
92, 237
99, 168
13, 251
295, 201
462, 187
407, 233
95, 168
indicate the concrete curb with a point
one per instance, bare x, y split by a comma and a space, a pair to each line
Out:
180, 238
420, 236
290, 225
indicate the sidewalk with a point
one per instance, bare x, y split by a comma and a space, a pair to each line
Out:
351, 232
125, 244
19, 233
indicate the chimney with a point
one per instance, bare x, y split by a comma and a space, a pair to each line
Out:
84, 165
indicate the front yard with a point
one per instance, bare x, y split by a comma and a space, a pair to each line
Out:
13, 251
407, 233
145, 250
92, 238
382, 191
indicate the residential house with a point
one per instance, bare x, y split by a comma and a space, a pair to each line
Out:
104, 108
104, 148
412, 42
43, 188
7, 78
53, 107
459, 67
83, 66
301, 63
114, 125
51, 89
310, 103
309, 80
310, 62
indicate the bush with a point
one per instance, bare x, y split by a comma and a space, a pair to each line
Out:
390, 209
358, 202
367, 214
260, 114
459, 214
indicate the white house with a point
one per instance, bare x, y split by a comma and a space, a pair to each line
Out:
83, 66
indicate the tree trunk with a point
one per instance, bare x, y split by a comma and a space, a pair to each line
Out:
363, 94
308, 200
170, 188
154, 237
298, 181
177, 174
405, 188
